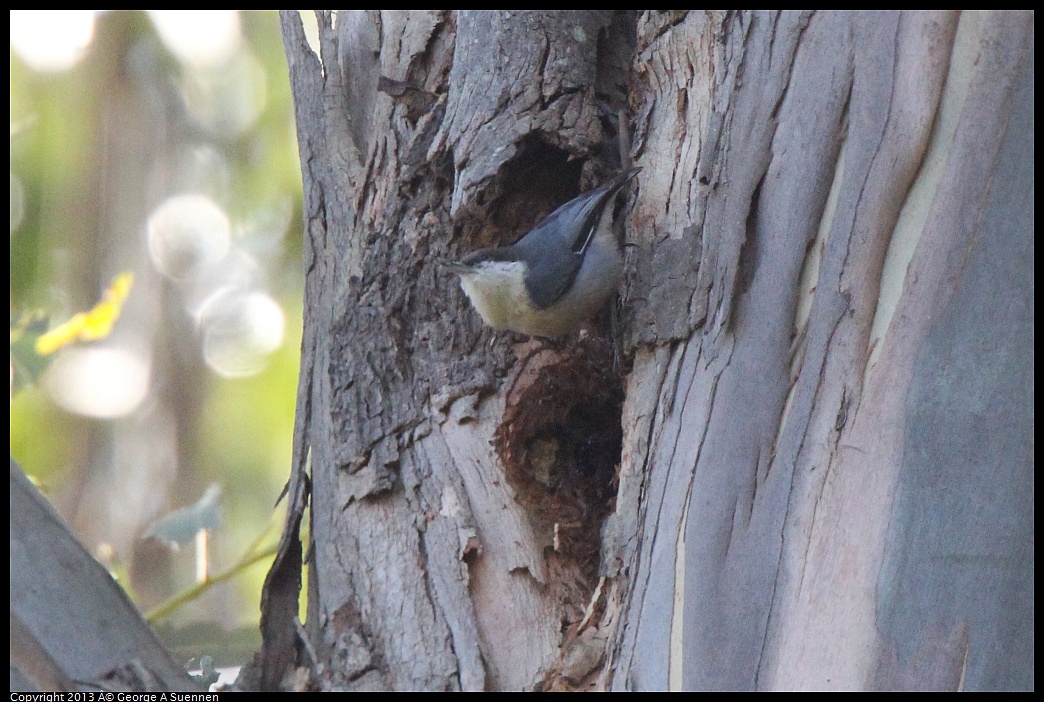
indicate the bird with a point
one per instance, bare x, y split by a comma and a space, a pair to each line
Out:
556, 276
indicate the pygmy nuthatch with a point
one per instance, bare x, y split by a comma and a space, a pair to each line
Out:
554, 277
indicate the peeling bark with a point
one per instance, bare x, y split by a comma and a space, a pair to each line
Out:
840, 203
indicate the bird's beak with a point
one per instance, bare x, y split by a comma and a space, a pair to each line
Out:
454, 266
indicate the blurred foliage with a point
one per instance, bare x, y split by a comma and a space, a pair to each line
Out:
208, 676
27, 365
96, 150
179, 528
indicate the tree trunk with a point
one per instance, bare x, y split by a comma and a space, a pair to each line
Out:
825, 478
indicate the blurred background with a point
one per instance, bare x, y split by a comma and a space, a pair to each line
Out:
160, 144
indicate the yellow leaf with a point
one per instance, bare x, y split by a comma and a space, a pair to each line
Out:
89, 326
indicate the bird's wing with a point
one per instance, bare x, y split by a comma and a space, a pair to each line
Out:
558, 244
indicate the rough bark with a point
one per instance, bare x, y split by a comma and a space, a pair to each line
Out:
433, 562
